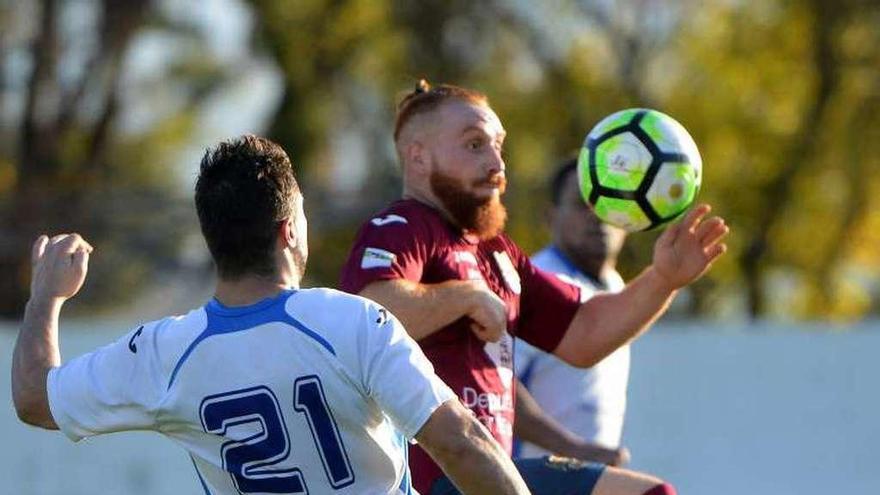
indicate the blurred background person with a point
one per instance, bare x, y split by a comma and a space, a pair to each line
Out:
589, 402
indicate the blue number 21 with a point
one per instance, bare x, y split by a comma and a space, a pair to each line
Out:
250, 460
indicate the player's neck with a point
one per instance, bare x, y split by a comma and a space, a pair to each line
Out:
250, 289
596, 268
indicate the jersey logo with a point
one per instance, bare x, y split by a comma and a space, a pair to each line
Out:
508, 271
387, 219
501, 354
383, 317
377, 258
131, 345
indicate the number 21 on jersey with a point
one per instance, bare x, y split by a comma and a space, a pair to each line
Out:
251, 460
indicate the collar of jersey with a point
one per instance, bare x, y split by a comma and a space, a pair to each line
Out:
218, 308
573, 270
569, 266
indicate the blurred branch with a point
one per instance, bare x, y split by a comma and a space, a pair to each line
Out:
309, 70
631, 46
121, 20
36, 145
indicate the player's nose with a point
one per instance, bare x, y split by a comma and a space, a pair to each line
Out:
496, 163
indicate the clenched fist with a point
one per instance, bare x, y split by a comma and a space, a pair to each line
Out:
59, 266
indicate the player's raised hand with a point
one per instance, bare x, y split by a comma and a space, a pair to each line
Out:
686, 250
488, 312
59, 266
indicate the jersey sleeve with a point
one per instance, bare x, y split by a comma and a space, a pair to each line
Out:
387, 247
398, 376
113, 388
547, 306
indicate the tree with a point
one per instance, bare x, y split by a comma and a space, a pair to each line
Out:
776, 94
65, 162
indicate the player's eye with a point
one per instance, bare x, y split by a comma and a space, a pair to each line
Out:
474, 144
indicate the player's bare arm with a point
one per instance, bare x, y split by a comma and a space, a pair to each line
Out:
534, 426
471, 459
682, 254
59, 267
426, 308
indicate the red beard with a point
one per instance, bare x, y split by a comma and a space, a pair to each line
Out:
484, 218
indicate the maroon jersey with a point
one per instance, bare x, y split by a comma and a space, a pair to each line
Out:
412, 241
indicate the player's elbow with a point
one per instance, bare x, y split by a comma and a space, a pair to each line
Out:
32, 408
472, 437
27, 411
582, 362
577, 356
583, 347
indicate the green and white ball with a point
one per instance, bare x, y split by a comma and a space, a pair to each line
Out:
639, 169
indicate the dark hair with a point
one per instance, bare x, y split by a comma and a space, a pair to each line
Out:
245, 188
557, 183
426, 98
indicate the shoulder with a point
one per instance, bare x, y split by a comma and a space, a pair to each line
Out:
322, 299
615, 282
502, 242
406, 215
177, 327
167, 339
170, 329
331, 308
546, 259
350, 323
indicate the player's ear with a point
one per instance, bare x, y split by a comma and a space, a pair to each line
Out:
417, 157
287, 233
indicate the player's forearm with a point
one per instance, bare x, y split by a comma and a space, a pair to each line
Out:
607, 321
422, 308
468, 455
483, 467
534, 426
36, 352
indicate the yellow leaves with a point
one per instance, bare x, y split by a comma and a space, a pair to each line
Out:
858, 38
844, 300
864, 239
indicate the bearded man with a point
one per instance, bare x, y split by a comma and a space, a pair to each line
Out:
439, 260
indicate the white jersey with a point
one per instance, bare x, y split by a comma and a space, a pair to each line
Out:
589, 402
311, 391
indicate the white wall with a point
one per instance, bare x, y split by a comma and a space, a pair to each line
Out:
716, 411
38, 462
750, 412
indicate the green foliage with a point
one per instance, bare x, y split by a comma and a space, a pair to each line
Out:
780, 96
774, 93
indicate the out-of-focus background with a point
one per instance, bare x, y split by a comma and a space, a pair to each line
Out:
759, 374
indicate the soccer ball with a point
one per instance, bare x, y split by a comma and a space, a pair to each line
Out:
639, 169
